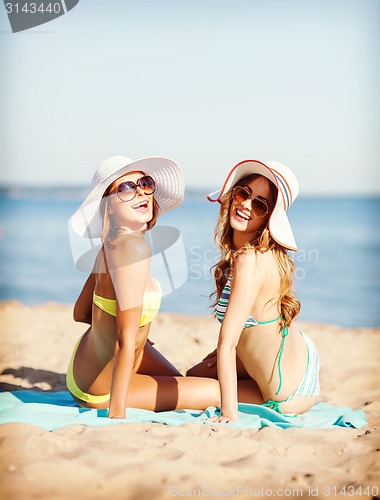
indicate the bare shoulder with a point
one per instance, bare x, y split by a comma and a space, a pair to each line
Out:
245, 267
253, 264
246, 260
127, 250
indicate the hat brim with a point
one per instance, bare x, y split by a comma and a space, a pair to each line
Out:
278, 225
239, 171
280, 229
169, 194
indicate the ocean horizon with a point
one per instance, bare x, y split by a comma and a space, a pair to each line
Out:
337, 276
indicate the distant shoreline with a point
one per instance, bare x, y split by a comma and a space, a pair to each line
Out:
82, 191
177, 316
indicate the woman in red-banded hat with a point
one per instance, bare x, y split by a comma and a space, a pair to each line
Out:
261, 357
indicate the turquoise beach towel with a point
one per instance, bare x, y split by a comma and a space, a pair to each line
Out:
54, 410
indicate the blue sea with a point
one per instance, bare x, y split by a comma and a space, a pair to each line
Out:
338, 269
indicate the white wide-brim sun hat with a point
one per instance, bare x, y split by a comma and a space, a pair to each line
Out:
169, 194
287, 190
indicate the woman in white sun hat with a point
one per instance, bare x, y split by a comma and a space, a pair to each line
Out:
113, 364
261, 357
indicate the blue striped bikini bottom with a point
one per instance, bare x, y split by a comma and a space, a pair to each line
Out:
309, 385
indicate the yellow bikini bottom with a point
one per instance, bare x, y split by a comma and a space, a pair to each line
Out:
151, 306
74, 389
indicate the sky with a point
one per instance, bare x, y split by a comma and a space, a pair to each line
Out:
207, 83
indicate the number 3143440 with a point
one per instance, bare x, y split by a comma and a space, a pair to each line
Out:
33, 8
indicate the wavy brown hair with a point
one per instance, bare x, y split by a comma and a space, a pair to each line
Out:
110, 229
262, 242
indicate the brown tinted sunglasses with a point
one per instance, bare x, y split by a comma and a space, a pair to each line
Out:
259, 207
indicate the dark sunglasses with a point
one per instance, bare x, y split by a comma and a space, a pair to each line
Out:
126, 191
259, 207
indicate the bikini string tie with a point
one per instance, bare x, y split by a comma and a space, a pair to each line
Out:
284, 333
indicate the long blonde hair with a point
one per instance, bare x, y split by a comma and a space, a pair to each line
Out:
262, 242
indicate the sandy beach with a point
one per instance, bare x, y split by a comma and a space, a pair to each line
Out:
138, 461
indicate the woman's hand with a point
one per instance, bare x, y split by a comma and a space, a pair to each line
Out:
116, 416
224, 419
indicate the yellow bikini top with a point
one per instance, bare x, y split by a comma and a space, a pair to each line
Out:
151, 304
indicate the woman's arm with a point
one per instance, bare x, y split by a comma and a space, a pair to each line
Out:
245, 288
83, 306
129, 276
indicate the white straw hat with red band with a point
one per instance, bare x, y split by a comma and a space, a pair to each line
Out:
287, 190
169, 194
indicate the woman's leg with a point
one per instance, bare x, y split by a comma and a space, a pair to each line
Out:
249, 392
160, 393
203, 369
168, 393
154, 363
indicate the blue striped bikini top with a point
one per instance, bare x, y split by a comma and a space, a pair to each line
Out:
221, 308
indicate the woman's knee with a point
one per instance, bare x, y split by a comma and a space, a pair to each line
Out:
211, 392
192, 372
202, 370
